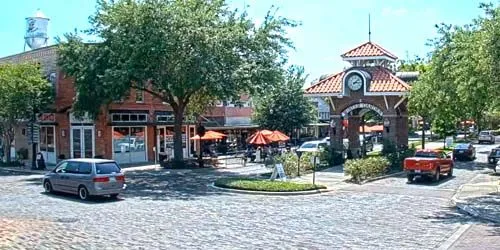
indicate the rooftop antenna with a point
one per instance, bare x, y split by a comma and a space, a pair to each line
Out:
369, 29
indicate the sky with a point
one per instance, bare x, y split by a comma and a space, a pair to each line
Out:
328, 27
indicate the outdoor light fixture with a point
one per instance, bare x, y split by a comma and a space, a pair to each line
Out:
99, 133
387, 123
63, 132
334, 126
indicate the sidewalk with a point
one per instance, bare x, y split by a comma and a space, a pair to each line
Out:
42, 172
330, 177
480, 199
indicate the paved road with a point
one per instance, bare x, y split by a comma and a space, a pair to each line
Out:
177, 210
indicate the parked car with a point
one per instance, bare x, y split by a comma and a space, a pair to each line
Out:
86, 178
368, 141
494, 158
464, 151
429, 163
487, 136
312, 146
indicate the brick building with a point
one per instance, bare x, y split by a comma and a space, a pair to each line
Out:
130, 131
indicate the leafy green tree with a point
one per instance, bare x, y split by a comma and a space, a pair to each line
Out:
418, 64
175, 51
285, 108
23, 92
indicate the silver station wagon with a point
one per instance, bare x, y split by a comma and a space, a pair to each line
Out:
86, 178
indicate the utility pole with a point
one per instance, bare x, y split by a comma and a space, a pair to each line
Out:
33, 143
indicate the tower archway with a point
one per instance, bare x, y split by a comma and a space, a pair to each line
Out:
369, 86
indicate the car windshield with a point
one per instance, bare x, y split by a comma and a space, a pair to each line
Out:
308, 145
462, 146
423, 154
484, 133
107, 168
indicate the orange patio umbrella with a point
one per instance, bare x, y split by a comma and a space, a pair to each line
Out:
369, 129
117, 134
259, 139
209, 135
264, 132
277, 136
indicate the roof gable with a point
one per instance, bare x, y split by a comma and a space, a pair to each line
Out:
368, 49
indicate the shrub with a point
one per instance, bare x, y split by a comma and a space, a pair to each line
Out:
264, 185
22, 154
361, 169
388, 147
331, 157
290, 163
397, 159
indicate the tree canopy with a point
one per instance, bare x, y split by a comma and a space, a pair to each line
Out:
23, 92
460, 81
177, 51
285, 108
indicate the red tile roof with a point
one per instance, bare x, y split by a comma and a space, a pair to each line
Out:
368, 49
382, 80
330, 85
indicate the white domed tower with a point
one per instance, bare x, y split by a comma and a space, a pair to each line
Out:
36, 30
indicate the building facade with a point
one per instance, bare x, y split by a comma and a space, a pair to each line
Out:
135, 130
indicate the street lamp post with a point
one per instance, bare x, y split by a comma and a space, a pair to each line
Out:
315, 158
299, 154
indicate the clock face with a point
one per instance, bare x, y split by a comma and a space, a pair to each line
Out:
355, 82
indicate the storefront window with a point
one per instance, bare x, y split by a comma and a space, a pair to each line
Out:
166, 141
129, 144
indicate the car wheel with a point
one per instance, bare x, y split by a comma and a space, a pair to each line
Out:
48, 187
450, 173
410, 178
437, 176
114, 196
83, 193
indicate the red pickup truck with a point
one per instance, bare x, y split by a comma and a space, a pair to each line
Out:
430, 163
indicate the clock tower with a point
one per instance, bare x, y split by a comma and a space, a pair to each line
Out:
369, 84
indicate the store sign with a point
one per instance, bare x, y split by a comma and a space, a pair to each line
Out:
85, 119
47, 117
363, 106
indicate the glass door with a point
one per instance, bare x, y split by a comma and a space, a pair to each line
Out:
47, 144
82, 142
165, 141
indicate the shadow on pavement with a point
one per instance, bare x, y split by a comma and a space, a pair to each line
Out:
36, 181
450, 215
75, 198
427, 181
174, 184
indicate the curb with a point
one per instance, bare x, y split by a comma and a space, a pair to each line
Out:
28, 171
461, 205
382, 177
376, 178
239, 191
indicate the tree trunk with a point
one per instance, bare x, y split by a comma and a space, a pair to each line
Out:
6, 148
423, 134
178, 120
